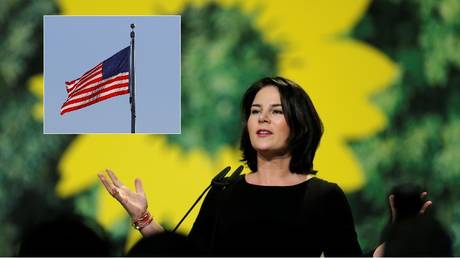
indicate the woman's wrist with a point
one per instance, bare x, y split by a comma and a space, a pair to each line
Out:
142, 220
151, 229
146, 224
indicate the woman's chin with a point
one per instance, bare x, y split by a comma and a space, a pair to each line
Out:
271, 152
263, 149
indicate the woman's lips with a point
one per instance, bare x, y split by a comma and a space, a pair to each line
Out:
263, 133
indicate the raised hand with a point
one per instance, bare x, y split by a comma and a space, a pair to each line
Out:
426, 204
422, 210
135, 203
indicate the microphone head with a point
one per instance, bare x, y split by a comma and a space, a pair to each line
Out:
224, 181
236, 173
220, 177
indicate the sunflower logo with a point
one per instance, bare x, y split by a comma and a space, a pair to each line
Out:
226, 45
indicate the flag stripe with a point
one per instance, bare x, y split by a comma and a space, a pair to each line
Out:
85, 75
97, 83
99, 86
97, 90
95, 101
96, 79
81, 81
100, 94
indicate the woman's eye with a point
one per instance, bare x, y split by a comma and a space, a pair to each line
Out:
254, 111
278, 112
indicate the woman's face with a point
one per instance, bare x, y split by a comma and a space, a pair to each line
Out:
267, 126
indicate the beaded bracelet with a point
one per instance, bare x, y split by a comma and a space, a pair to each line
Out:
143, 221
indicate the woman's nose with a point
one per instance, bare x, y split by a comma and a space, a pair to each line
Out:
264, 117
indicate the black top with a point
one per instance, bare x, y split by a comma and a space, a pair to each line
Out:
304, 219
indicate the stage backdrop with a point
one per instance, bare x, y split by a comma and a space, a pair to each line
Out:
384, 76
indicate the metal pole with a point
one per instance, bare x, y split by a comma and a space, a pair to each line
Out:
131, 83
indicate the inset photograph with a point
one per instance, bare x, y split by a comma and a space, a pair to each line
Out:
112, 74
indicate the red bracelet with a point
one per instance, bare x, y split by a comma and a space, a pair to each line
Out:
143, 221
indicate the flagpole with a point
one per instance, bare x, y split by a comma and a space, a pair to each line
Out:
131, 83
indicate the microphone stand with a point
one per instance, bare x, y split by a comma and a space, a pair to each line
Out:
218, 180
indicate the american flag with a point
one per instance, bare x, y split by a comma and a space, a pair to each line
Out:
106, 80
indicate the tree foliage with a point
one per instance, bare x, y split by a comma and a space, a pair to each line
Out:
28, 158
422, 141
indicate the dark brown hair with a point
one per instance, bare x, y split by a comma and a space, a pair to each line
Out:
304, 123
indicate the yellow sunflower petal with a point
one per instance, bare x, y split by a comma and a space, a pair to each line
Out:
36, 87
339, 74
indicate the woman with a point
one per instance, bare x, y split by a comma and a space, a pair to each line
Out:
278, 209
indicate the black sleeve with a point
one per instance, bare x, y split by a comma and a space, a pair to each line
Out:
340, 238
202, 232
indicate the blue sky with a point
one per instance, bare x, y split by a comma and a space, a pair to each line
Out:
75, 44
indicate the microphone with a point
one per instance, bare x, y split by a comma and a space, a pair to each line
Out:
224, 181
218, 180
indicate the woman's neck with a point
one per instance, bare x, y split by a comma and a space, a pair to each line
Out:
274, 171
273, 167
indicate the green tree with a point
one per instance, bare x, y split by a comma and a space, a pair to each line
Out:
422, 140
28, 158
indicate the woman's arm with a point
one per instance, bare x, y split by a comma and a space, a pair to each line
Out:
339, 233
135, 203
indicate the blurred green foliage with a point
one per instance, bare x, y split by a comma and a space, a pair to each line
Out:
422, 140
28, 159
21, 44
222, 54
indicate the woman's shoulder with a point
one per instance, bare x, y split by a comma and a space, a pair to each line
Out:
324, 187
322, 183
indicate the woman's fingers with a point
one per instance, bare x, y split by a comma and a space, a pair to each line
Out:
425, 206
134, 202
107, 184
114, 178
423, 195
139, 188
